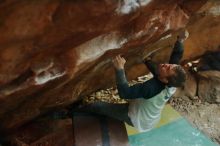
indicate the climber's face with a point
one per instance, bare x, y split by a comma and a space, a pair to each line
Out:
165, 71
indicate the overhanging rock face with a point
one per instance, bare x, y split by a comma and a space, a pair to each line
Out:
54, 52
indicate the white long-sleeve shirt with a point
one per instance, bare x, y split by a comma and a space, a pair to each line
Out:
146, 113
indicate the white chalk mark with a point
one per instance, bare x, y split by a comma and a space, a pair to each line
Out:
128, 6
96, 47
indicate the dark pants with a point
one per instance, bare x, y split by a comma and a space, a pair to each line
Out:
116, 111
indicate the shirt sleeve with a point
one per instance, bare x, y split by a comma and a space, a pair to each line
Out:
177, 53
146, 90
152, 66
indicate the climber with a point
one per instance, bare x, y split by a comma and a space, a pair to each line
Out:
146, 100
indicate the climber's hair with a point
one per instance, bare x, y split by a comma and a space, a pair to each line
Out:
179, 78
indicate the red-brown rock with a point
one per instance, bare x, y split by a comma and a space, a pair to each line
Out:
55, 52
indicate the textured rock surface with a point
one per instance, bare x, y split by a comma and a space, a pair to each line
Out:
203, 79
72, 131
36, 134
54, 52
209, 86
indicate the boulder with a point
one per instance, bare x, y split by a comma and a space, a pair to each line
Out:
53, 53
209, 86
